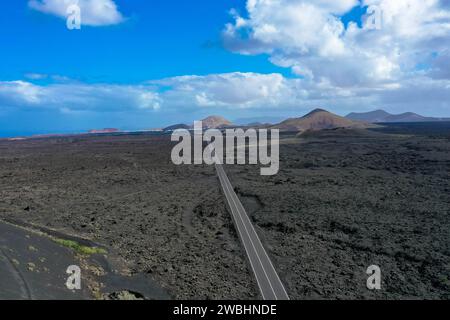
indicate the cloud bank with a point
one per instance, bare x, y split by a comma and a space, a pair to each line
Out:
77, 97
237, 91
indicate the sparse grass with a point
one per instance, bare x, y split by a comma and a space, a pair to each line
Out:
78, 247
445, 280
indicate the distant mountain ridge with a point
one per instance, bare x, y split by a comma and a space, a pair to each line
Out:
315, 120
258, 120
379, 116
106, 130
320, 119
211, 122
176, 127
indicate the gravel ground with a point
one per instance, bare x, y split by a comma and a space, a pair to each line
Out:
167, 222
343, 200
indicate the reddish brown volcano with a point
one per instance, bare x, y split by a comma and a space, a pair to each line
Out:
319, 119
214, 122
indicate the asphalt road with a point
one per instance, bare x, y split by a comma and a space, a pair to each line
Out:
269, 282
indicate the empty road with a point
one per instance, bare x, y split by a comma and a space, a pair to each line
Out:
267, 278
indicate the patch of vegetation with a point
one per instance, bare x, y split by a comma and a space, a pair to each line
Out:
31, 266
124, 295
79, 248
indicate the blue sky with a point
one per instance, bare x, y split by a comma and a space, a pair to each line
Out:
140, 64
159, 39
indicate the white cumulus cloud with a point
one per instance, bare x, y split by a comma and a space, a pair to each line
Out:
235, 90
310, 37
93, 12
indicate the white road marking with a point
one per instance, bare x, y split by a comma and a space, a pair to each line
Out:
248, 240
